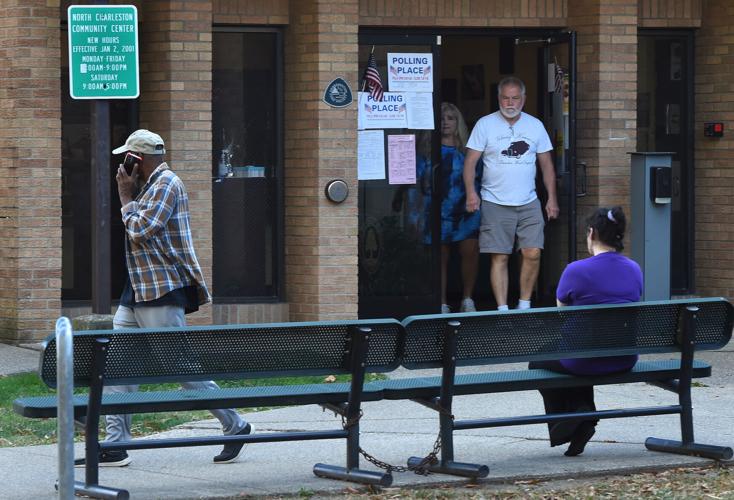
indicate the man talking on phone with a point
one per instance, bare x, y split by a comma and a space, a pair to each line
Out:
164, 280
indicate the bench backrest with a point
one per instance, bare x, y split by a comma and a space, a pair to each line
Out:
228, 352
567, 332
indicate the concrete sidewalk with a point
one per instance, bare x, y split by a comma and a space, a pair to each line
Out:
393, 431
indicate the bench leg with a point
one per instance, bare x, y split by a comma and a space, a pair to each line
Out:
355, 475
97, 491
693, 449
687, 445
453, 468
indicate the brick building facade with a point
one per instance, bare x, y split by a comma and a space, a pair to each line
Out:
321, 41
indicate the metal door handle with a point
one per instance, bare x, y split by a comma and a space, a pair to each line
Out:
580, 179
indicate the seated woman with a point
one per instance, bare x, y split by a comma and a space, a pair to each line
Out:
607, 277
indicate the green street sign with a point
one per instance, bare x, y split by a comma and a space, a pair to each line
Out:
103, 52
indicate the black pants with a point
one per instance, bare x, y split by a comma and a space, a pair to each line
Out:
566, 400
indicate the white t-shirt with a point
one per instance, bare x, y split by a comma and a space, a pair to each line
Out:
509, 154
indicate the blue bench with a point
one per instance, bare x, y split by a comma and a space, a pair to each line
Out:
140, 356
487, 338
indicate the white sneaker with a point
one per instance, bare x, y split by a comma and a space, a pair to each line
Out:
445, 309
467, 305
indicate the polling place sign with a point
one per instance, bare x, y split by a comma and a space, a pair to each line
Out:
103, 52
410, 72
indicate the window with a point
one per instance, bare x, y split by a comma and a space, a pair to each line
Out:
76, 222
247, 180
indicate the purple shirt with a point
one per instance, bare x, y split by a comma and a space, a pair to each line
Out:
606, 278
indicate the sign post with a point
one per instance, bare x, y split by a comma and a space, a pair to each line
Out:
103, 64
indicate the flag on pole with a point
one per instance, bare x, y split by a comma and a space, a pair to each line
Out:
559, 79
372, 77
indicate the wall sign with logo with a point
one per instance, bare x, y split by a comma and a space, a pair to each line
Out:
103, 52
338, 94
410, 72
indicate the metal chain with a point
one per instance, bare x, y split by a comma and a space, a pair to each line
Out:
421, 468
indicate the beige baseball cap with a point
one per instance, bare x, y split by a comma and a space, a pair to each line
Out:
142, 141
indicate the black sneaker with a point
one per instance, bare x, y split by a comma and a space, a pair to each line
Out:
231, 451
108, 459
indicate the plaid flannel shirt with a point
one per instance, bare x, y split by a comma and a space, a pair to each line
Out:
158, 248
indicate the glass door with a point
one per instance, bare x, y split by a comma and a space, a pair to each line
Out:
557, 77
665, 123
399, 257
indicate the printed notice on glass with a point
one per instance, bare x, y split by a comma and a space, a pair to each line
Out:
410, 72
401, 159
370, 155
420, 110
387, 113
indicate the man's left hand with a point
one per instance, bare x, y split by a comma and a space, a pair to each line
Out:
551, 208
127, 185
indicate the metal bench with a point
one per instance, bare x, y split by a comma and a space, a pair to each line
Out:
139, 356
487, 338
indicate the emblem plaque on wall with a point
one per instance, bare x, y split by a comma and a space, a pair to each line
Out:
338, 94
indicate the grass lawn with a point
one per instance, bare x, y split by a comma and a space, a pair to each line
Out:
21, 431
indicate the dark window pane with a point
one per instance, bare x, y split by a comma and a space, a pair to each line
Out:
76, 159
245, 164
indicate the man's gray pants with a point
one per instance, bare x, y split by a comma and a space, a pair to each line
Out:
118, 426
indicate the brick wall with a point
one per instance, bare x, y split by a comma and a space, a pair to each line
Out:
175, 101
250, 12
714, 161
606, 99
476, 13
30, 170
320, 145
670, 13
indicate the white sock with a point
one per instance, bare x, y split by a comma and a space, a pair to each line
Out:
503, 308
523, 304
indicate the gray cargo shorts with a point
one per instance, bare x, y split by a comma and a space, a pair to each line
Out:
503, 225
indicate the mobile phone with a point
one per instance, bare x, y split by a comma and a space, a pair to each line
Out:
130, 160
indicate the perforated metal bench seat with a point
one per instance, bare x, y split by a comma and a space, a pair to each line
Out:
525, 380
186, 400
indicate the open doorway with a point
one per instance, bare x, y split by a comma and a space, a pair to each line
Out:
468, 67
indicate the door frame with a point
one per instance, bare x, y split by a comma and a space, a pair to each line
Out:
405, 36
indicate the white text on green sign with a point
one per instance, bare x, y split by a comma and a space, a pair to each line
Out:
103, 52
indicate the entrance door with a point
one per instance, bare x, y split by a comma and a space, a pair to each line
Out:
399, 257
664, 123
557, 73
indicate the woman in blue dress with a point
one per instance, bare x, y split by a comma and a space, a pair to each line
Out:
458, 227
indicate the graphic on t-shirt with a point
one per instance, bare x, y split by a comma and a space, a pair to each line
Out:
516, 149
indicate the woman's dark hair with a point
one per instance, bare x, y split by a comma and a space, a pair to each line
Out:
609, 225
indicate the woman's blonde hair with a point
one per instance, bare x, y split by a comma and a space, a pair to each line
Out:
462, 133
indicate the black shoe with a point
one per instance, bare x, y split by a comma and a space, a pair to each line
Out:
562, 432
582, 436
231, 451
118, 458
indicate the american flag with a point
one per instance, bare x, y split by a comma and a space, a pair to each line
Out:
559, 79
372, 76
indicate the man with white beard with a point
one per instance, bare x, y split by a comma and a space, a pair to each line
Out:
510, 142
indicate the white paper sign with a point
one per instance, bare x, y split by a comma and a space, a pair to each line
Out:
410, 72
370, 154
388, 113
420, 110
